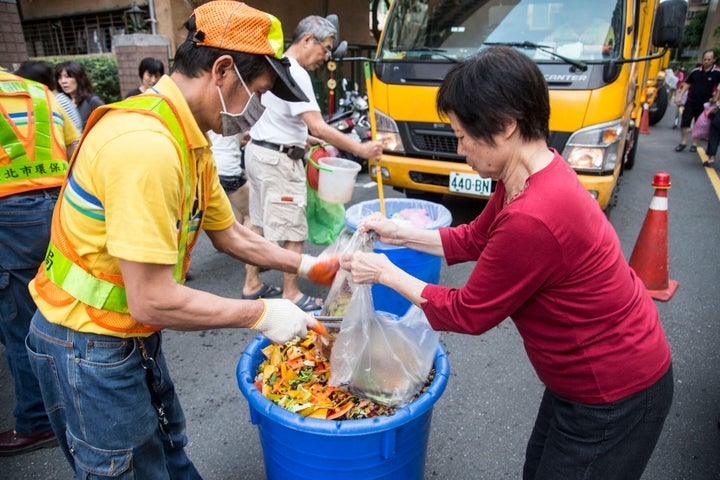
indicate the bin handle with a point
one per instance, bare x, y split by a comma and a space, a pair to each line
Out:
319, 167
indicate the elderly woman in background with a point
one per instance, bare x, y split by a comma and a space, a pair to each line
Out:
74, 82
546, 257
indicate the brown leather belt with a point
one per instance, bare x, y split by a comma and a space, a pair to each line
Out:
292, 151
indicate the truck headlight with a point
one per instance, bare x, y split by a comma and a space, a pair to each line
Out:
594, 148
387, 132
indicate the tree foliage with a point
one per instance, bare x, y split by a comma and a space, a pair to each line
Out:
693, 32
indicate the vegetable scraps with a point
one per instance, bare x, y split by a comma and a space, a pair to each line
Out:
294, 376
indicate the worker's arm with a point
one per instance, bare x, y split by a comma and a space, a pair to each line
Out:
245, 245
155, 298
319, 128
242, 243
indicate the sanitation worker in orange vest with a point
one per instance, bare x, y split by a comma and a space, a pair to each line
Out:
36, 137
140, 188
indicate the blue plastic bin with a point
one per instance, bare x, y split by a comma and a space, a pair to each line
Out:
420, 265
296, 447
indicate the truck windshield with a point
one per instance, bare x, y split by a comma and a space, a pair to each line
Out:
453, 30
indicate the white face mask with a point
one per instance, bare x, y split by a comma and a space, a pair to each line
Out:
234, 123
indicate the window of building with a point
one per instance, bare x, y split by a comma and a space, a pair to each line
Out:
74, 35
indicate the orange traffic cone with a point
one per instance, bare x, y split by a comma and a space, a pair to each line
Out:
649, 258
645, 119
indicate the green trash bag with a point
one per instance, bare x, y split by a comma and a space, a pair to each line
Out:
325, 220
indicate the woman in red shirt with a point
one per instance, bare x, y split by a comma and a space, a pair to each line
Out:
547, 258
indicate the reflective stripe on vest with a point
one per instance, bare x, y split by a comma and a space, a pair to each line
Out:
90, 290
80, 283
24, 166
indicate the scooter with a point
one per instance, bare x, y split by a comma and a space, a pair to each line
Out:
352, 120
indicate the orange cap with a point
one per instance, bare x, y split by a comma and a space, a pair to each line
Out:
231, 25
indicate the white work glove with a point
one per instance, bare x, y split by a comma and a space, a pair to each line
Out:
319, 270
282, 320
306, 264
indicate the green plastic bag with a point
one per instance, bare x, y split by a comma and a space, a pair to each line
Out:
325, 220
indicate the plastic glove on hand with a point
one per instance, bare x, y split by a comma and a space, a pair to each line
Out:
282, 320
320, 271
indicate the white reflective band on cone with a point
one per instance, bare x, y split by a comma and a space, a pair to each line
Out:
659, 203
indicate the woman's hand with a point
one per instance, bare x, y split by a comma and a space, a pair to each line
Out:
366, 267
387, 230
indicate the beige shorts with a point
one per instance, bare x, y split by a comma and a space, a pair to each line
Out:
278, 195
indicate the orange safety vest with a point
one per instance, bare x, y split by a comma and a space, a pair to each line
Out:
64, 277
38, 159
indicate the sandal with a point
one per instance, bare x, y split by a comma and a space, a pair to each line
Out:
693, 148
709, 164
306, 303
266, 291
680, 147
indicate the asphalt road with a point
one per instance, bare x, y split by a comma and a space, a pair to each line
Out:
481, 423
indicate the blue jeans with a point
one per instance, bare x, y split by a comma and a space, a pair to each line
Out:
100, 406
610, 441
25, 220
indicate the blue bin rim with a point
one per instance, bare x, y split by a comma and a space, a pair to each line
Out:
246, 377
394, 205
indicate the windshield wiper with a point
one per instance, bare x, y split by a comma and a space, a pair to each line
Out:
580, 65
435, 51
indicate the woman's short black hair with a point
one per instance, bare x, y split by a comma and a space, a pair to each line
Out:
493, 88
192, 60
151, 65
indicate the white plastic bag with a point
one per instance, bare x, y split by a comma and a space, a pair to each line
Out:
340, 292
380, 357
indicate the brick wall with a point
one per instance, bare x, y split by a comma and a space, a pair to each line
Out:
131, 49
12, 43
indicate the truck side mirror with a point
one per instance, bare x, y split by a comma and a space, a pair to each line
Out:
340, 51
669, 23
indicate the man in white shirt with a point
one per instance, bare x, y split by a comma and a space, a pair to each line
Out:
274, 159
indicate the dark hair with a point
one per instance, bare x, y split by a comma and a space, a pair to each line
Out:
150, 65
76, 71
192, 60
38, 71
493, 88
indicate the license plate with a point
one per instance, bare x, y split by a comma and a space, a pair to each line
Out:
470, 184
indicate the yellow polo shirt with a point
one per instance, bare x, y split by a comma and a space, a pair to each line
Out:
130, 163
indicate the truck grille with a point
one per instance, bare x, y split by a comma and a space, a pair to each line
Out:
435, 143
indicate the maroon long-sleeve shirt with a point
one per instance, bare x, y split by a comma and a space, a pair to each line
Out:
552, 262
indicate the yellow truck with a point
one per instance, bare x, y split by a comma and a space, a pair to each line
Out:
596, 58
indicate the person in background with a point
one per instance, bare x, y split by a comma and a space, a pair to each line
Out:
74, 82
589, 327
43, 72
150, 70
714, 137
141, 188
227, 152
274, 159
671, 83
37, 139
700, 85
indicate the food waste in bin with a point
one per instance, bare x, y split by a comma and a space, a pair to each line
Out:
295, 376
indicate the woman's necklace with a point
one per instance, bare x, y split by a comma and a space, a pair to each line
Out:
510, 197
